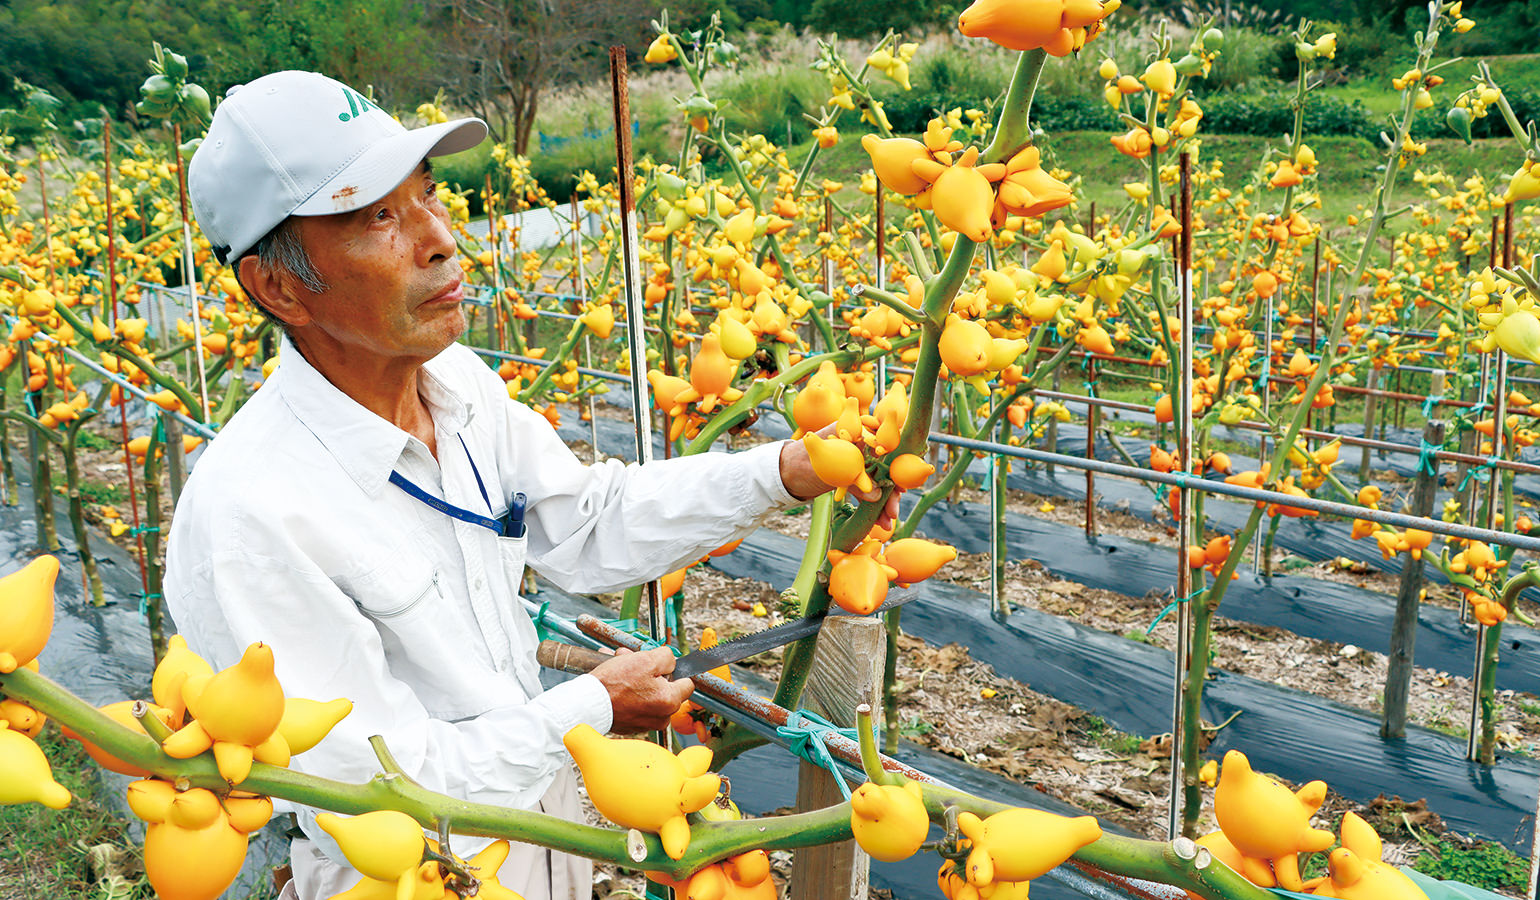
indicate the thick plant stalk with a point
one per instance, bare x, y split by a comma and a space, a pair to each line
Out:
77, 508
153, 604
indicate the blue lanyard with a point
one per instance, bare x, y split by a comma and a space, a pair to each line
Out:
464, 515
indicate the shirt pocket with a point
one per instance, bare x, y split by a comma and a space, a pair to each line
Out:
424, 645
512, 552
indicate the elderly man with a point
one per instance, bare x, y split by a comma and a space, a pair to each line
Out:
351, 514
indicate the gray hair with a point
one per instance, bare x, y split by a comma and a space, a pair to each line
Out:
283, 249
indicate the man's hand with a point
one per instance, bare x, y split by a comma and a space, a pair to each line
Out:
803, 483
641, 694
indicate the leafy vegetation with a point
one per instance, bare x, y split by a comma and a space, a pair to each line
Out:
1479, 863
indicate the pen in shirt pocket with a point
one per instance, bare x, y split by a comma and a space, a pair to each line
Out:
513, 521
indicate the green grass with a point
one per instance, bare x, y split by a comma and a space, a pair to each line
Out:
43, 852
1098, 731
94, 491
1485, 865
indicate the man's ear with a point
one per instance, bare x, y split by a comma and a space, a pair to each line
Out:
276, 290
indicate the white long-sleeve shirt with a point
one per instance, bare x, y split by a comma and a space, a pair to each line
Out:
289, 532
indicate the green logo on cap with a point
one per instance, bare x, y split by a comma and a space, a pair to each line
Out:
357, 103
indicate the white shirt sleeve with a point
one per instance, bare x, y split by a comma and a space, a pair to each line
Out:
325, 647
598, 528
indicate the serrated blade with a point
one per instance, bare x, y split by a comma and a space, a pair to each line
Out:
692, 664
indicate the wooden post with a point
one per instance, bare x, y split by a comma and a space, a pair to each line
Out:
1369, 410
847, 670
1403, 635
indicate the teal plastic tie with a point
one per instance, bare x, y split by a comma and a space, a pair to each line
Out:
144, 603
1428, 404
1427, 461
1482, 473
1171, 607
538, 619
804, 732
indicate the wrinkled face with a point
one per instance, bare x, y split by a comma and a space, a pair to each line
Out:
394, 279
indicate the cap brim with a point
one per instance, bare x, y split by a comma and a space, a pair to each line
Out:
378, 170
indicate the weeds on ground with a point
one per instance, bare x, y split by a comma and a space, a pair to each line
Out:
1477, 863
82, 851
1098, 731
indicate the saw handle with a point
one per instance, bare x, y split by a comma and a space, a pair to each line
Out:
568, 657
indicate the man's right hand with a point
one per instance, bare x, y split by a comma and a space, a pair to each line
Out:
641, 693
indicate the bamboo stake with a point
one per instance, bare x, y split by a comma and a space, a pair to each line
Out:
580, 288
493, 323
191, 277
1478, 750
635, 309
1184, 589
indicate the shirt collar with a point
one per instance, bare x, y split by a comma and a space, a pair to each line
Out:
365, 445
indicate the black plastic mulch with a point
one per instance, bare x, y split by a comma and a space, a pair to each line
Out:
1294, 734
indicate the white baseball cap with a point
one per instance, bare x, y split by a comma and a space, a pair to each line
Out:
302, 144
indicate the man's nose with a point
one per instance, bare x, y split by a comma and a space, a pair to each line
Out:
435, 242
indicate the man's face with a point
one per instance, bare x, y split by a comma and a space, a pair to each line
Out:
393, 275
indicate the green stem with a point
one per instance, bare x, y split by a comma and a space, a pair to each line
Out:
1014, 128
709, 841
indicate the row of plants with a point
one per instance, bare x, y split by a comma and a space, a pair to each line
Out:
757, 302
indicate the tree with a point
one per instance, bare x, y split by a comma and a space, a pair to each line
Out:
499, 56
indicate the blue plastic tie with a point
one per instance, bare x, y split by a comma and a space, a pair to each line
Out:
804, 732
1427, 461
1171, 607
144, 603
1428, 404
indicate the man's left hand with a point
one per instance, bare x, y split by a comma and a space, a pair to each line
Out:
803, 483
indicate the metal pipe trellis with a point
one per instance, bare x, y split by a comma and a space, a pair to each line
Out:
763, 717
1240, 492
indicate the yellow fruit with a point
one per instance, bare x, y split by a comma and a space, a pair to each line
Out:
194, 809
837, 462
637, 784
890, 160
711, 376
965, 346
909, 471
305, 722
963, 200
1355, 871
600, 319
916, 560
1021, 844
1268, 822
858, 582
737, 340
385, 845
1519, 335
26, 612
889, 821
426, 883
25, 776
247, 814
21, 718
151, 799
241, 704
198, 864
